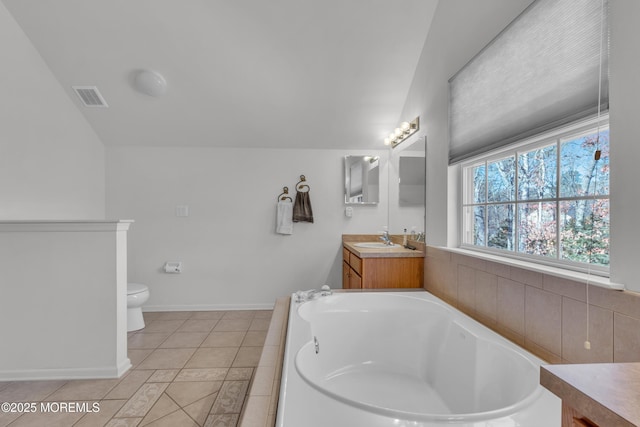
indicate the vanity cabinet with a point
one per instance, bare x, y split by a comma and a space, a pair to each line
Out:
378, 271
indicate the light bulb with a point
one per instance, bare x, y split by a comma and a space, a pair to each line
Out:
398, 132
387, 141
405, 126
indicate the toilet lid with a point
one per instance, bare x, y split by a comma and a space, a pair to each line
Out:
135, 288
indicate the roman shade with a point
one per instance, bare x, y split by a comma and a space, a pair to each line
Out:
547, 68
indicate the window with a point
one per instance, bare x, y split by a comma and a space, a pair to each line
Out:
546, 198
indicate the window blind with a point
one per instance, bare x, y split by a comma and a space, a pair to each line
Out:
542, 71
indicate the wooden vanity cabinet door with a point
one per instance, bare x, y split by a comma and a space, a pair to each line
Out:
351, 266
350, 279
355, 281
345, 275
345, 254
355, 262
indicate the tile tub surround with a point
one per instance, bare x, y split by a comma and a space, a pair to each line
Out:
544, 314
262, 403
189, 369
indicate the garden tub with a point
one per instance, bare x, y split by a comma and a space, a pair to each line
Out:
405, 359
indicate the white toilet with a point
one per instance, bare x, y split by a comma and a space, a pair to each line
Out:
137, 294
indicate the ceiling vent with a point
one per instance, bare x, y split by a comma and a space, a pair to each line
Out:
90, 96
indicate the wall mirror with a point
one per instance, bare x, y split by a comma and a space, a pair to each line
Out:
411, 185
407, 187
362, 180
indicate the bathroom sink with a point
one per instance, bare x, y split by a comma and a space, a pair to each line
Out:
374, 245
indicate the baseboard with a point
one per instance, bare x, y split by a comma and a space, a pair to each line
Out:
65, 373
208, 307
124, 366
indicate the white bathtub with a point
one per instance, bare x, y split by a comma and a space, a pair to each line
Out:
405, 359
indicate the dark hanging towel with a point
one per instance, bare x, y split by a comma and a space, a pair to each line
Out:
302, 207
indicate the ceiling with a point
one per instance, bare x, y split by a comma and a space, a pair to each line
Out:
240, 73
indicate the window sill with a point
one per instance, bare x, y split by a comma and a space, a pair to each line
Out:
594, 280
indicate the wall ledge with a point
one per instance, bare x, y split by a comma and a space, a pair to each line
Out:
65, 225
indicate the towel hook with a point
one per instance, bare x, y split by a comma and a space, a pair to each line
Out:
285, 190
300, 186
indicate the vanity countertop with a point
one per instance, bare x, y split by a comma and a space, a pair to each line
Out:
397, 251
606, 393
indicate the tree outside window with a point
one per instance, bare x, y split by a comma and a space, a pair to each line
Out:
549, 199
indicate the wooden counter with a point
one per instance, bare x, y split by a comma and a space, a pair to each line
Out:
397, 251
606, 394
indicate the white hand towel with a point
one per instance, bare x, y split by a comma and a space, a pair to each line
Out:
284, 215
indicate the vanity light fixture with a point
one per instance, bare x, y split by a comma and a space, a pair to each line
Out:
404, 131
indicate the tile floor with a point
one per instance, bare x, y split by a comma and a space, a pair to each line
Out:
189, 369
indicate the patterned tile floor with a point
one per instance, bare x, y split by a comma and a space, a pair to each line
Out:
189, 369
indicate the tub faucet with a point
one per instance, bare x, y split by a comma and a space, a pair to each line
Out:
302, 296
385, 238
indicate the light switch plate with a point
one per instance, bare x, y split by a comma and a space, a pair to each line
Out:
182, 210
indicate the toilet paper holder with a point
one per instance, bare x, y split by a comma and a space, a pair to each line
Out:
173, 267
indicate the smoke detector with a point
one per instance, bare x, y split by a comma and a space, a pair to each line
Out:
90, 96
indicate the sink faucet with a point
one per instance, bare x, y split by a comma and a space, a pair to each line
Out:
385, 238
302, 296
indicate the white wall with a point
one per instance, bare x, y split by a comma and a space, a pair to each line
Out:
624, 87
449, 46
51, 161
232, 256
